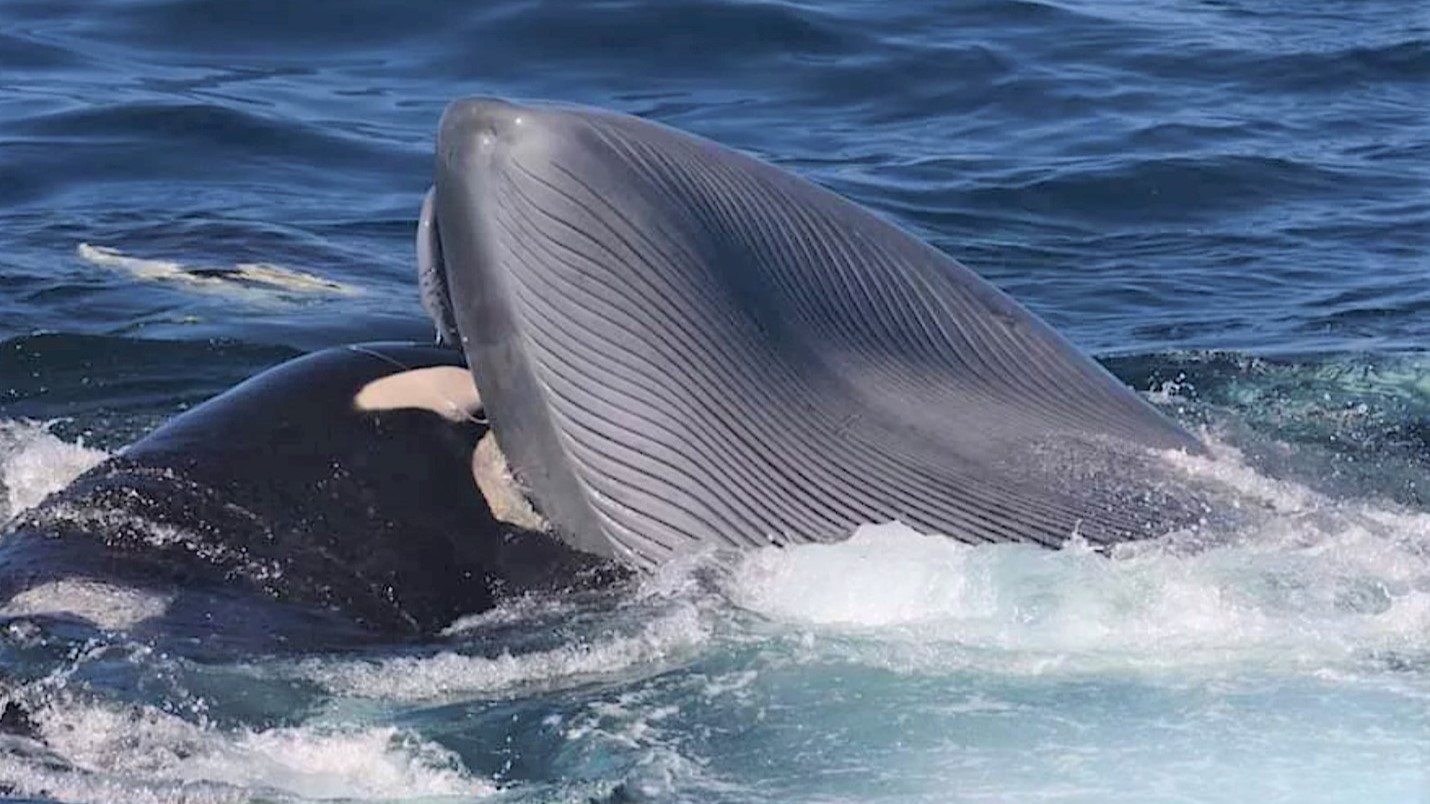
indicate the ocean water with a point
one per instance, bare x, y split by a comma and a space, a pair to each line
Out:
1227, 201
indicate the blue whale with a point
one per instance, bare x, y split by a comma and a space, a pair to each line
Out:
680, 346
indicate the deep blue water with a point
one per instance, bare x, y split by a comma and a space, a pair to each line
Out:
1228, 201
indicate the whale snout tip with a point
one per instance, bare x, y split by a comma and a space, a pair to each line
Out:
476, 127
476, 114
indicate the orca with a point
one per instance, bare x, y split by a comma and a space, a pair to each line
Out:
344, 496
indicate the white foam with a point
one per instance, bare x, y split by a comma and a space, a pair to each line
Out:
35, 463
338, 762
668, 636
886, 574
1312, 583
31, 777
142, 754
635, 722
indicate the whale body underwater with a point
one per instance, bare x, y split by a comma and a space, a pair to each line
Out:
665, 345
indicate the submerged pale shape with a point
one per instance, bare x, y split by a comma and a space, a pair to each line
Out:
250, 280
106, 605
148, 755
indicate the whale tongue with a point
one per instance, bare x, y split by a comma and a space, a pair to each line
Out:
432, 273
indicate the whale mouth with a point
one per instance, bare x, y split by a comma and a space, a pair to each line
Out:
432, 274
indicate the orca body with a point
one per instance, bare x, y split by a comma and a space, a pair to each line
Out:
327, 500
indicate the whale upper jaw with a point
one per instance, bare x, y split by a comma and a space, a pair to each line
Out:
679, 346
471, 132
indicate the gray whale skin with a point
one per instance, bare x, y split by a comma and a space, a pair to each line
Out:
680, 346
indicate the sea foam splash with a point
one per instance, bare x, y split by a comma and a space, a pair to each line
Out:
35, 463
1311, 583
931, 603
108, 606
104, 753
667, 638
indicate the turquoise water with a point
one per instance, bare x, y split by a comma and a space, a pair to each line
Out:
1227, 202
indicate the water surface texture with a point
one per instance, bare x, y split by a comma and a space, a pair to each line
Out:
1228, 202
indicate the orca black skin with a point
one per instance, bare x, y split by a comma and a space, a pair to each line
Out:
284, 511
